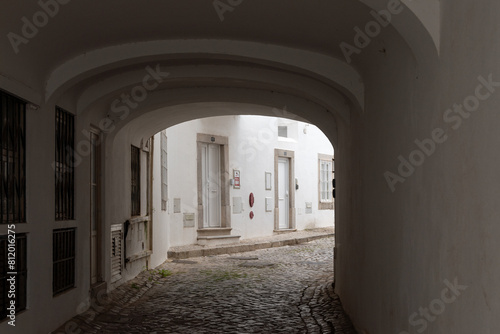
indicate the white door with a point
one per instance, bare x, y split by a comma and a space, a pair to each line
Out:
211, 187
283, 192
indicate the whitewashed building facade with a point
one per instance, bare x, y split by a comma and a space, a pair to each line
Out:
215, 165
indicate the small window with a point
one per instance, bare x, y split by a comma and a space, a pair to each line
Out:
283, 131
136, 181
325, 182
63, 257
164, 172
20, 268
12, 160
64, 165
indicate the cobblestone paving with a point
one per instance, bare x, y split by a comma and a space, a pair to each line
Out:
276, 290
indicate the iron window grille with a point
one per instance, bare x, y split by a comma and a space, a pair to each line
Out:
64, 165
12, 160
20, 278
63, 256
136, 181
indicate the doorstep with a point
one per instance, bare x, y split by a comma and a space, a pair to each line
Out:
215, 240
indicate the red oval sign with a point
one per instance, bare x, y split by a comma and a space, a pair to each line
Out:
251, 200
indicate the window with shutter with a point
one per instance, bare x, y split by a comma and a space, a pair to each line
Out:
116, 253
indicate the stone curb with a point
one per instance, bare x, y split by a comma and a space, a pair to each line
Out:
231, 249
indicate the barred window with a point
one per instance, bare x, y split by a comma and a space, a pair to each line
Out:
12, 160
6, 272
136, 181
164, 171
63, 257
64, 165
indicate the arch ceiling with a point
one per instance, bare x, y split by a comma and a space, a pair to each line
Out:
150, 123
90, 52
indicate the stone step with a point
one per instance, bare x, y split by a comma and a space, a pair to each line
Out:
245, 246
214, 240
282, 231
214, 231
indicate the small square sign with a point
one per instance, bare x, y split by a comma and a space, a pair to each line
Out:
236, 177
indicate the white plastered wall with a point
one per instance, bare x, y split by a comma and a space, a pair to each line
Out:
396, 250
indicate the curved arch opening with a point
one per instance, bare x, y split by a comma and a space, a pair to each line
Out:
139, 129
249, 145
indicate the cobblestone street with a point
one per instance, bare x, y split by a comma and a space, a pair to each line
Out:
276, 290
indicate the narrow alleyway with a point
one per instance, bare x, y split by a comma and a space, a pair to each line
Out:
277, 290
